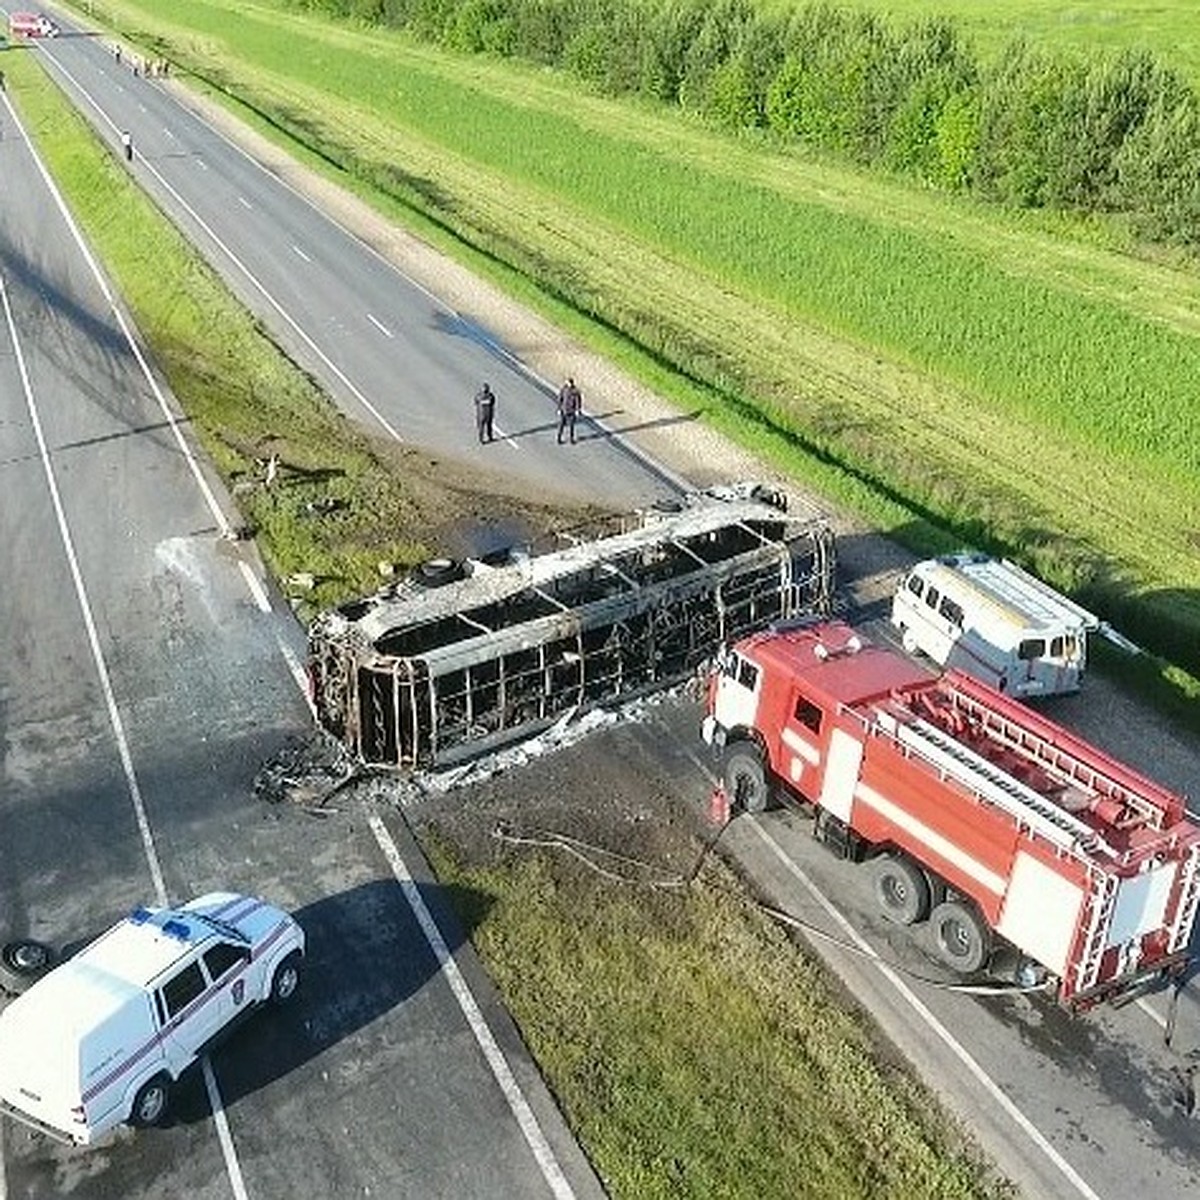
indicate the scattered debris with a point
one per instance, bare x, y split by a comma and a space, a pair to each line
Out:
308, 773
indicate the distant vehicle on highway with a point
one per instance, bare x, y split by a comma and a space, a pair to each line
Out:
101, 1039
32, 25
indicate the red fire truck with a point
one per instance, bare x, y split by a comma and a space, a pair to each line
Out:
1018, 841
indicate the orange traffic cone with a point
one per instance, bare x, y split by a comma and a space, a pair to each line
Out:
718, 806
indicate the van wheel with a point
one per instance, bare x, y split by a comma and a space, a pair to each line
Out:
901, 889
908, 640
961, 938
151, 1103
23, 962
745, 779
286, 979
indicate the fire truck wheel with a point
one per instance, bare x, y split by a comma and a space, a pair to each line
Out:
745, 778
22, 962
901, 889
960, 936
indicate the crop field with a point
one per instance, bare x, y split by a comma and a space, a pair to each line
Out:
955, 373
1168, 29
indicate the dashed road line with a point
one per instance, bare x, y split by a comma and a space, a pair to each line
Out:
380, 325
300, 254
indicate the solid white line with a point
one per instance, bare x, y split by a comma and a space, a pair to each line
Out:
110, 699
380, 326
223, 1135
1147, 1008
255, 282
297, 251
947, 1038
256, 589
551, 1171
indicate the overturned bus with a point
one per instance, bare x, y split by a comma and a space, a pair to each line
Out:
463, 657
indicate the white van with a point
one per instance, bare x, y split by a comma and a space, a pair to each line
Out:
993, 620
100, 1039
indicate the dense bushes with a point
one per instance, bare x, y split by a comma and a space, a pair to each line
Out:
1119, 133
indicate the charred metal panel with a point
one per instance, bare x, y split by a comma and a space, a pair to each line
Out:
424, 675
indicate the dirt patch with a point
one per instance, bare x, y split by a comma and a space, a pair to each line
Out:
462, 511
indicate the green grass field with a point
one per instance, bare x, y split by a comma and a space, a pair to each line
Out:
1168, 29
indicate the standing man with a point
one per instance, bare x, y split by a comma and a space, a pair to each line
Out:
569, 404
127, 144
485, 411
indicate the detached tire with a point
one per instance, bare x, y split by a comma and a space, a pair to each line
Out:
962, 940
22, 963
286, 980
901, 889
151, 1104
745, 778
437, 572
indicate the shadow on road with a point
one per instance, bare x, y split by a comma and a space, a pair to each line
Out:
366, 956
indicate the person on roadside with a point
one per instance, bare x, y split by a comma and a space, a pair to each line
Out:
570, 402
127, 144
485, 413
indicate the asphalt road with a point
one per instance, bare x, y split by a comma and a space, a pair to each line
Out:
148, 672
386, 349
1070, 1107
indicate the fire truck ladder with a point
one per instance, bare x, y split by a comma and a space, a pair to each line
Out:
1101, 901
1061, 763
1185, 914
1040, 815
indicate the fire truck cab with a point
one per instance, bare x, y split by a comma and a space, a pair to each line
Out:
1002, 829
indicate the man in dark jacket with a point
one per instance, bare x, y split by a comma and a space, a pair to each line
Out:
485, 412
569, 404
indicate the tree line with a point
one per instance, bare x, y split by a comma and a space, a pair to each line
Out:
1117, 133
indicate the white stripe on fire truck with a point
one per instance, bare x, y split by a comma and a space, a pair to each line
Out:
794, 741
941, 846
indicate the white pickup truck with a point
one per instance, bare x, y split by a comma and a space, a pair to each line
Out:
100, 1039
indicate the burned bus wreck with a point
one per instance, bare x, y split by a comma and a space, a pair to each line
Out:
457, 661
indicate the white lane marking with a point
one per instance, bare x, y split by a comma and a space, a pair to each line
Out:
1148, 1009
945, 1036
244, 202
255, 282
300, 254
257, 592
380, 326
202, 164
110, 699
223, 1135
551, 1171
168, 132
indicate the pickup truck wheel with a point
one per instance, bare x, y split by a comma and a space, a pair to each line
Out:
285, 980
151, 1103
901, 889
961, 938
22, 962
745, 778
